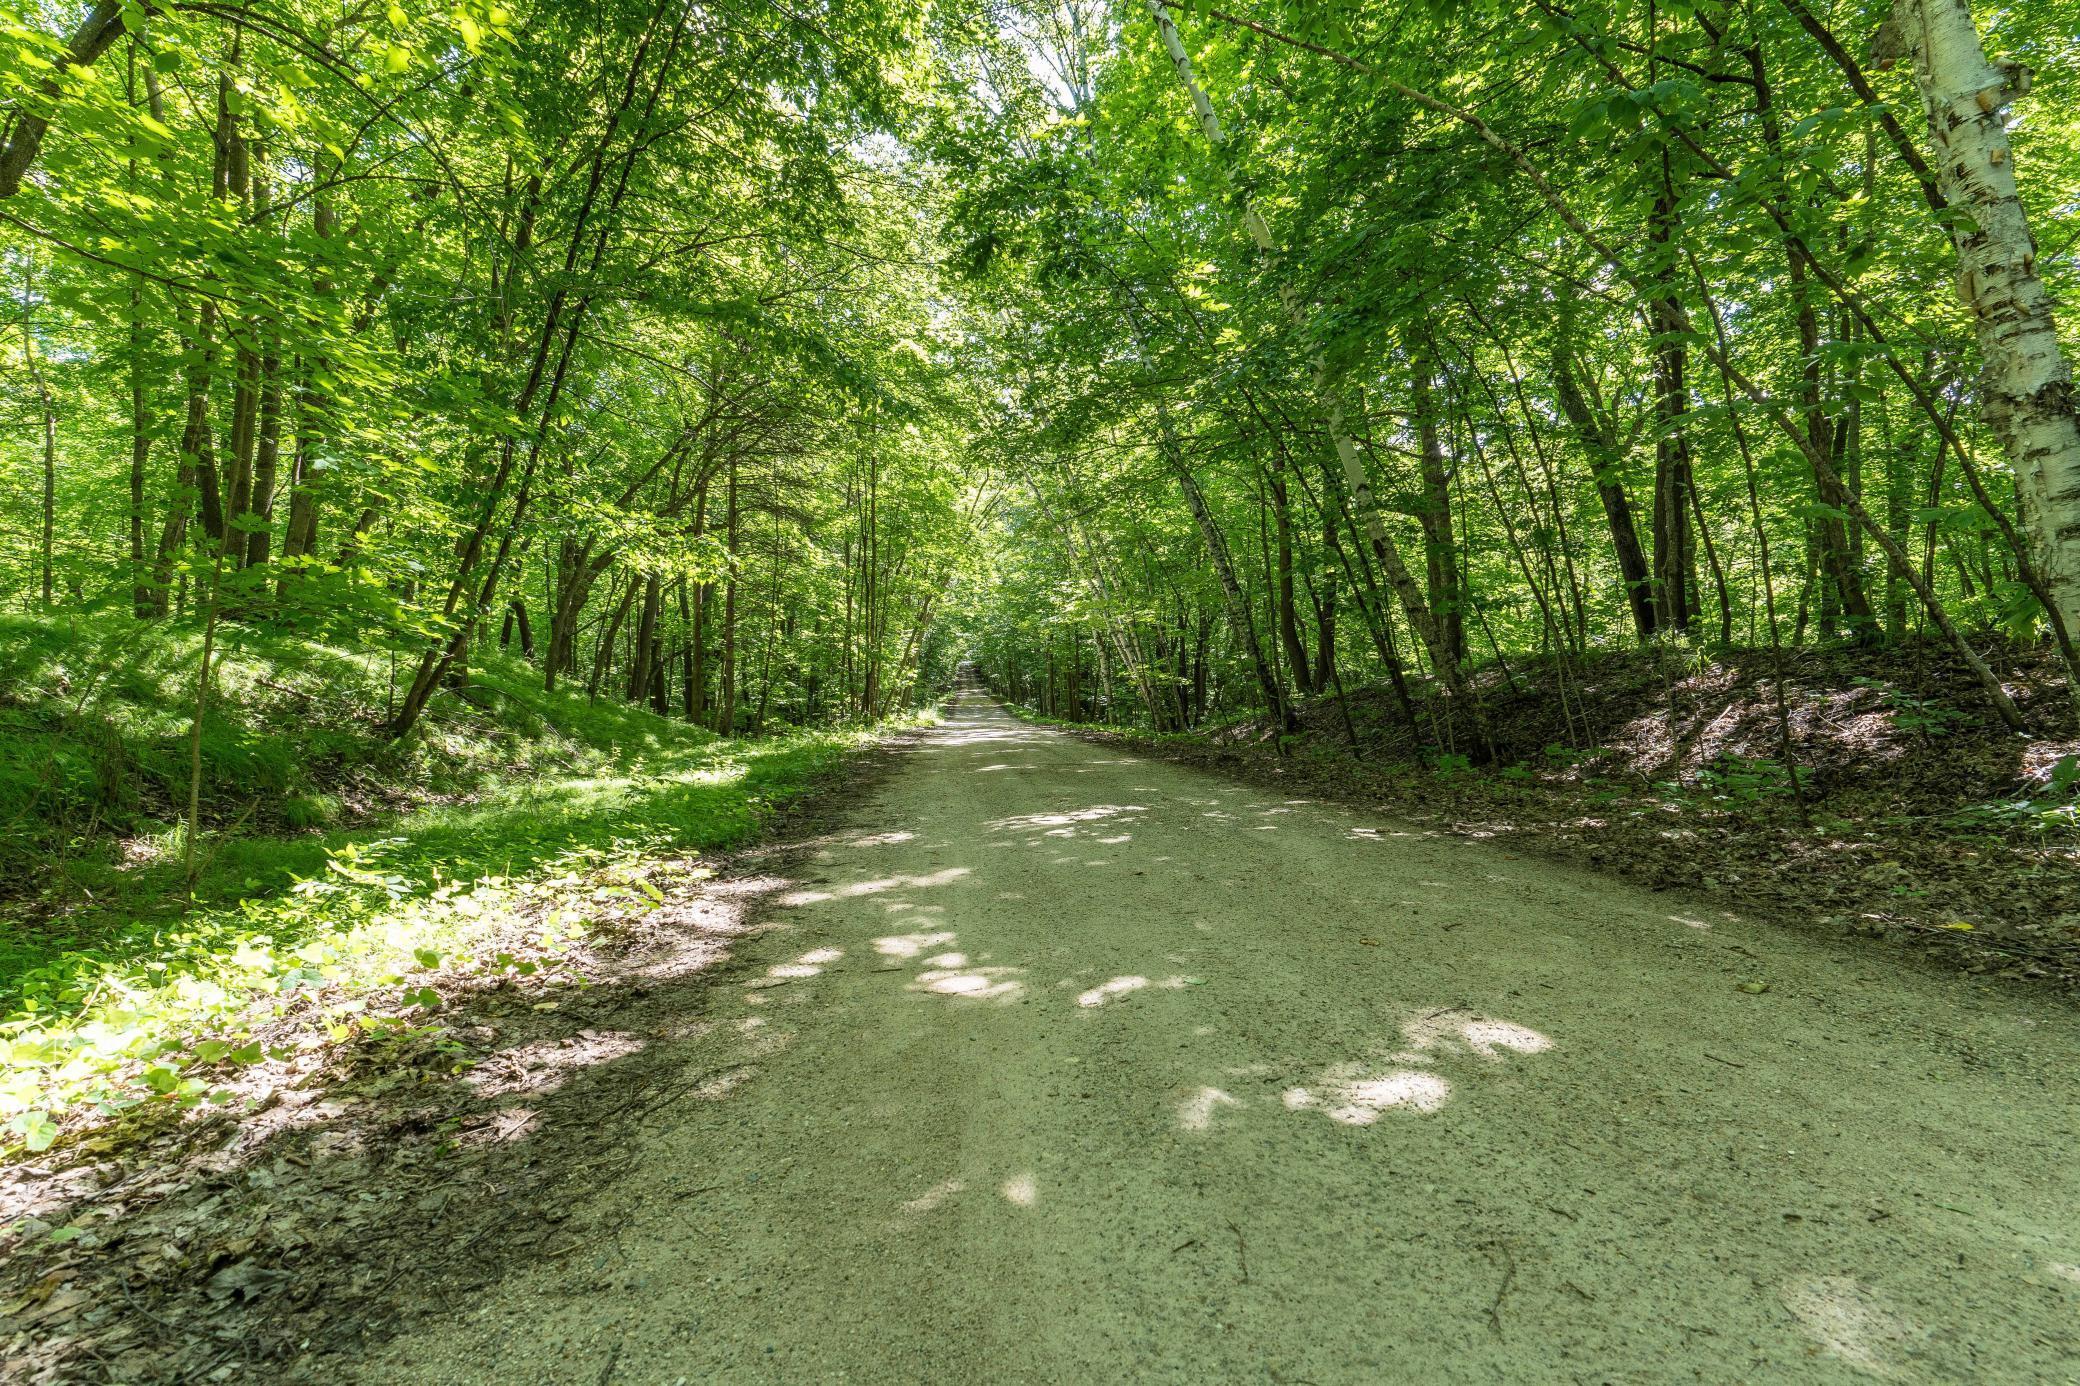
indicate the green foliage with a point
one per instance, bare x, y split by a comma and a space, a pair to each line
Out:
1921, 716
112, 1003
416, 434
1140, 331
1742, 782
2064, 776
436, 439
310, 810
2054, 810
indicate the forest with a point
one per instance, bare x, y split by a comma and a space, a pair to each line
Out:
477, 483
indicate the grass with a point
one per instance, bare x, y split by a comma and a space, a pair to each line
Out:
339, 866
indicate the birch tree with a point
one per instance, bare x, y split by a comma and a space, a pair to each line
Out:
2025, 384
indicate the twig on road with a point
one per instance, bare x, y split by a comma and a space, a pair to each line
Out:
1509, 1278
1241, 1248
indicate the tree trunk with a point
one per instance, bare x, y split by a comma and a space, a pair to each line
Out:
697, 659
726, 720
640, 669
688, 667
1674, 557
516, 624
267, 452
1275, 701
1440, 553
300, 536
1602, 447
603, 652
102, 26
2026, 389
140, 454
195, 442
1388, 554
1324, 588
47, 412
140, 414
1833, 534
1288, 613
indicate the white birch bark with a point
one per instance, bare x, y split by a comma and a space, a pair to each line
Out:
2026, 387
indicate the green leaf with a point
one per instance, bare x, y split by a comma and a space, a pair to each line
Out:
36, 1129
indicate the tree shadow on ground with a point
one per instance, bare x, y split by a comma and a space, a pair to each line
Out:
403, 1171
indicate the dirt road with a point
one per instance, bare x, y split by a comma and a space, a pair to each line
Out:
1062, 1066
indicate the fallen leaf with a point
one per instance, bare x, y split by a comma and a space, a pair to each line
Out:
246, 1280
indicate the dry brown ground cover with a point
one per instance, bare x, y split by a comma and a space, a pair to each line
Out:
1926, 823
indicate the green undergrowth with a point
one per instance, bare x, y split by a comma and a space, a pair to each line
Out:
1025, 713
345, 874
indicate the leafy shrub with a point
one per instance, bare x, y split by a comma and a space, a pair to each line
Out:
310, 810
1739, 782
1920, 716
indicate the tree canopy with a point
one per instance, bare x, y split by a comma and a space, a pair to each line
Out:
1168, 362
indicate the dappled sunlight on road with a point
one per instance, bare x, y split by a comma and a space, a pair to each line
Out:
1021, 1189
1105, 991
1065, 824
1356, 1099
972, 983
963, 729
1123, 986
910, 945
1458, 1028
934, 1196
877, 840
1195, 1113
1358, 1092
949, 973
1849, 1321
1087, 1055
1435, 1059
808, 964
794, 899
